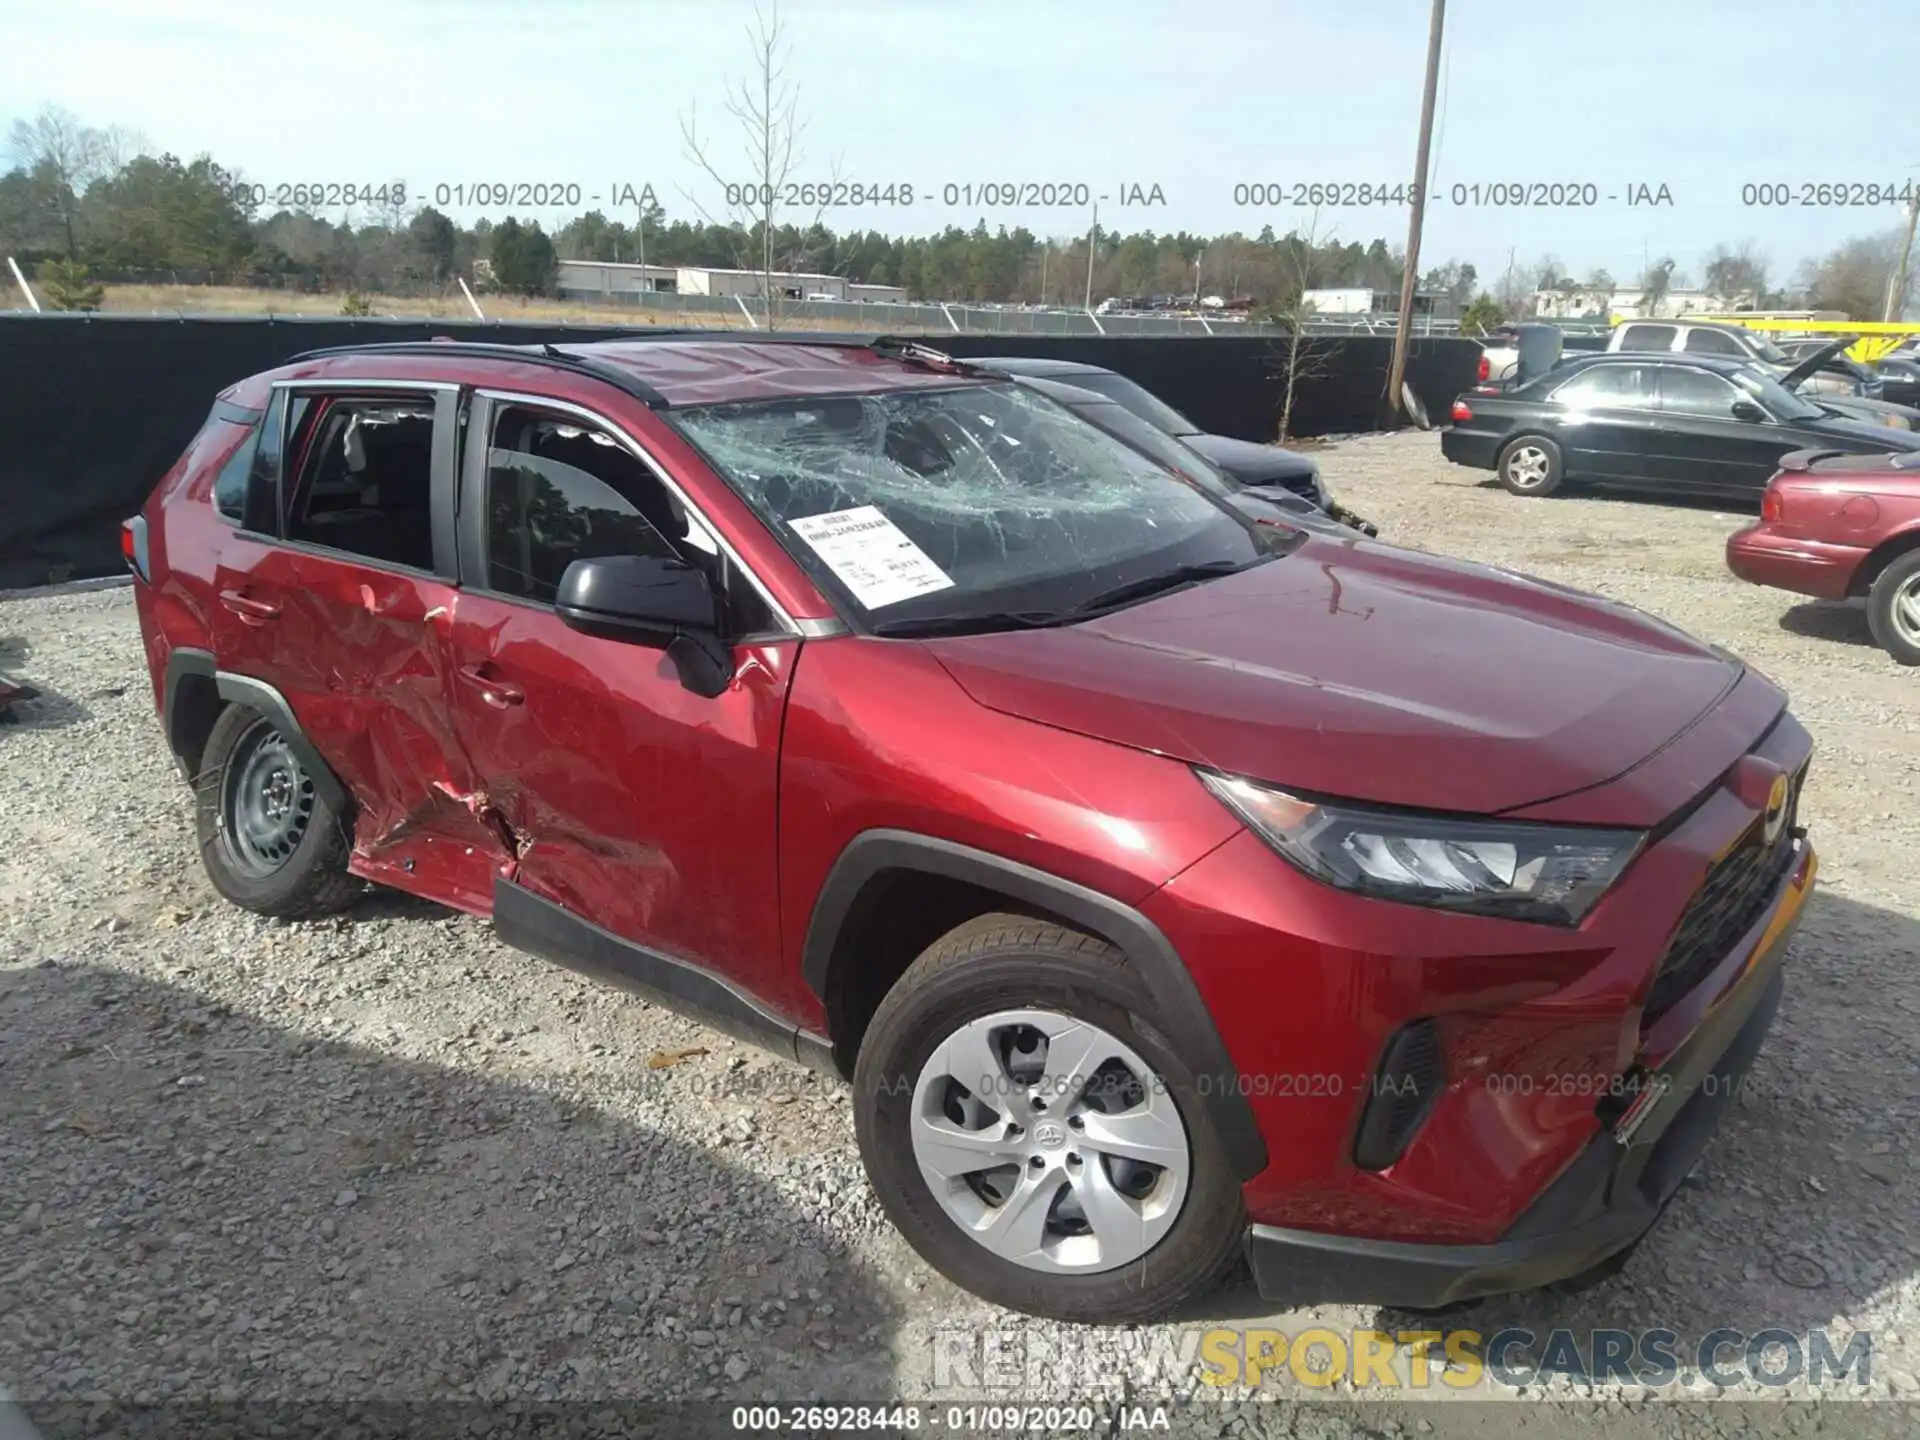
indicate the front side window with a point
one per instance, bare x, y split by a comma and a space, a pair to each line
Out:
1615, 387
560, 491
1157, 445
1696, 392
1775, 398
961, 502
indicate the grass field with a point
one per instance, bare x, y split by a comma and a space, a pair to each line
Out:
234, 300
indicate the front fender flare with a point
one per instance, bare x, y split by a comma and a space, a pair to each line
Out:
1178, 1009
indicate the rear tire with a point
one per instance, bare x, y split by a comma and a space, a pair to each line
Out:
1893, 609
1531, 465
1008, 998
270, 842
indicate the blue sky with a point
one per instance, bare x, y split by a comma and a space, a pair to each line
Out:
1195, 97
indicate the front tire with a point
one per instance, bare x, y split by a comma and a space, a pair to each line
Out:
1531, 465
270, 842
1893, 609
1034, 1137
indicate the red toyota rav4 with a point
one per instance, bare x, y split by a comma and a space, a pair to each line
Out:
1165, 881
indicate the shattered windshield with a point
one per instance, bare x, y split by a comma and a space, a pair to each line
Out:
977, 499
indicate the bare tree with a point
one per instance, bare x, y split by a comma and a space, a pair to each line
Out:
1296, 359
1853, 277
1731, 273
70, 155
766, 111
1655, 284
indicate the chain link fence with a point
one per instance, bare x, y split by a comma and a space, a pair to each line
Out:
233, 293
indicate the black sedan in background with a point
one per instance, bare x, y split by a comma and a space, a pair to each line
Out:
1688, 424
1261, 502
1249, 463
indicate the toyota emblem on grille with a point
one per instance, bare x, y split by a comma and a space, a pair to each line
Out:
1776, 816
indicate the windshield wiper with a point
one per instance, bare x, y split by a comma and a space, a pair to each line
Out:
977, 622
1166, 580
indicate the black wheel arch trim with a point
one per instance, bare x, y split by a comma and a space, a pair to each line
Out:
258, 695
182, 661
1179, 1010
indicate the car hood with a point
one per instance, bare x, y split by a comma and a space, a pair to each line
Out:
1354, 669
1849, 417
1868, 411
1254, 464
1796, 373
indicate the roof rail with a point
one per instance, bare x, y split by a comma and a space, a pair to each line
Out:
538, 354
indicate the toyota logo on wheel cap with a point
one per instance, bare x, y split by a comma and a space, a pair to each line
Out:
1049, 1135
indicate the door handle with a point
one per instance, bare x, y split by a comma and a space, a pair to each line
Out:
248, 608
500, 694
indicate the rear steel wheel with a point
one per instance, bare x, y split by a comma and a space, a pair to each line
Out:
268, 836
266, 801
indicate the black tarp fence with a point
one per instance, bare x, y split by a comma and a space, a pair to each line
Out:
94, 409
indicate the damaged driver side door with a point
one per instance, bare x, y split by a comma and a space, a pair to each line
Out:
627, 800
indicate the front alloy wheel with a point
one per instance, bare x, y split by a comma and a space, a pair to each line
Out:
1050, 1142
1035, 1134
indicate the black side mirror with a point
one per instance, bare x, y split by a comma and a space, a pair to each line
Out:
1747, 410
651, 600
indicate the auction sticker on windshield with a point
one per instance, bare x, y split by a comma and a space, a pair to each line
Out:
872, 556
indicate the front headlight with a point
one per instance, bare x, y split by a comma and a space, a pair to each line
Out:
1552, 874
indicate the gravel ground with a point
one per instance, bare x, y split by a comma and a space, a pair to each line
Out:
383, 1157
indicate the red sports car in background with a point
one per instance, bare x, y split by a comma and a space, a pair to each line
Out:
1843, 526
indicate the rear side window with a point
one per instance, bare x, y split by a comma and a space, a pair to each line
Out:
1610, 387
1647, 337
1712, 342
365, 484
230, 485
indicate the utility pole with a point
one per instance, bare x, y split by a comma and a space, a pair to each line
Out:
1093, 240
1897, 287
1397, 372
1045, 251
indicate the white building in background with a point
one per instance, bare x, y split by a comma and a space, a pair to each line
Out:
612, 280
1356, 300
1586, 303
1337, 302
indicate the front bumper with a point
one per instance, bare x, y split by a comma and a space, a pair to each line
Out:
1603, 1202
1785, 562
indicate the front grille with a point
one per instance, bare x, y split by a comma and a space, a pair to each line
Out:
1728, 903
